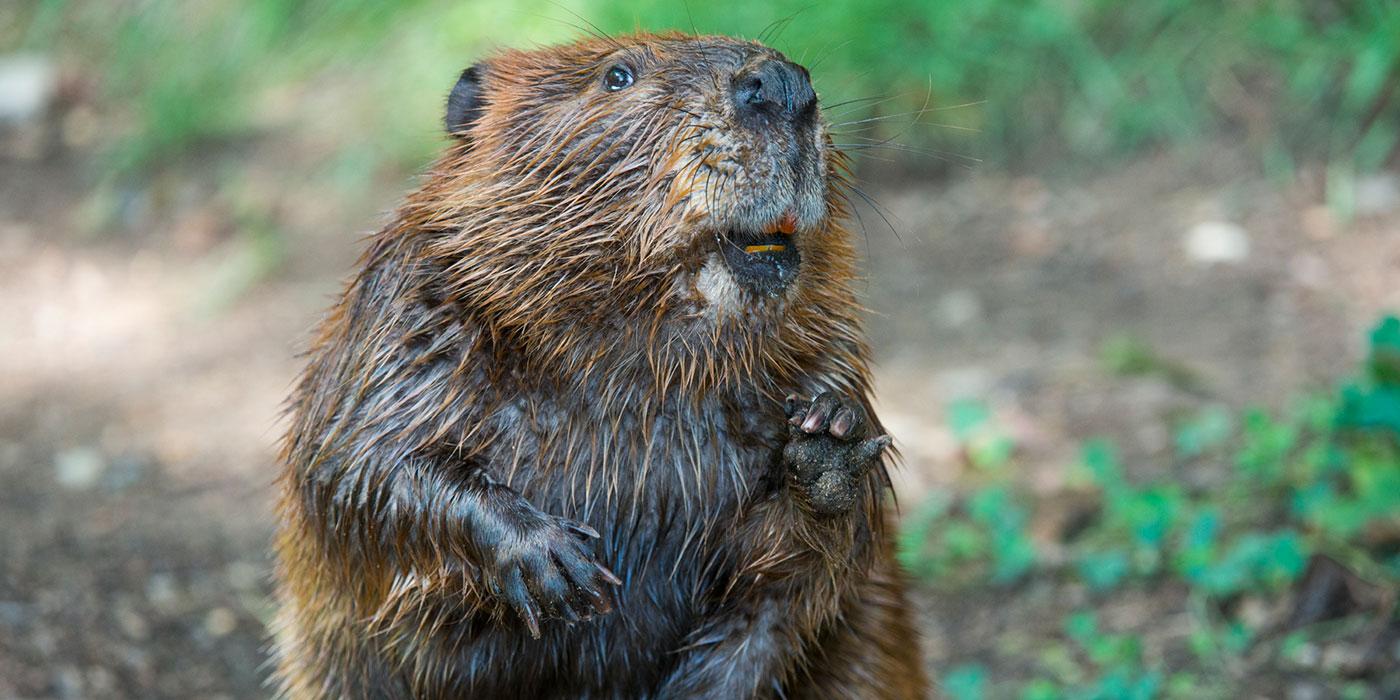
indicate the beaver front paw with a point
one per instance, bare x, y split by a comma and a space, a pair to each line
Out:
828, 452
547, 570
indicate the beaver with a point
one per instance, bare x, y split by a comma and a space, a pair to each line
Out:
593, 417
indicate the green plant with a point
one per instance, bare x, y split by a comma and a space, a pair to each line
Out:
1322, 477
948, 81
968, 682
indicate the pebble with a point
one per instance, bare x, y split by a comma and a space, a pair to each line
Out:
78, 468
28, 84
1340, 657
1254, 613
1307, 690
244, 576
132, 624
1377, 194
161, 591
68, 680
1212, 242
959, 307
220, 622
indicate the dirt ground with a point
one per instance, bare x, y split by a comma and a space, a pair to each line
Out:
146, 343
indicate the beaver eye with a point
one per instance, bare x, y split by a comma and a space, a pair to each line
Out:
617, 78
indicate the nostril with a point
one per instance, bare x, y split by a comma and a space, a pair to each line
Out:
751, 91
777, 87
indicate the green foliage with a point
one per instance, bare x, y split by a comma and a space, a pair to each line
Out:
1255, 561
181, 76
988, 538
1373, 402
1129, 356
967, 682
986, 447
1009, 81
1313, 479
1300, 82
1094, 665
1096, 79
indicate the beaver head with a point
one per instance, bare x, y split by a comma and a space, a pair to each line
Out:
663, 175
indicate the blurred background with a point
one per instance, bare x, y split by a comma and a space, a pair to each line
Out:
1130, 269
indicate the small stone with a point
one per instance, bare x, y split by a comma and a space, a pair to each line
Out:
1254, 613
1377, 194
1212, 242
1306, 690
1339, 657
244, 576
161, 591
959, 308
28, 84
132, 624
78, 468
69, 682
220, 622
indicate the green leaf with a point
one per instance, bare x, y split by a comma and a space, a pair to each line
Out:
966, 417
1101, 461
1102, 571
1082, 627
966, 682
1041, 689
1207, 430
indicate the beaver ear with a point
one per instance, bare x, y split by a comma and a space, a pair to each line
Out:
464, 102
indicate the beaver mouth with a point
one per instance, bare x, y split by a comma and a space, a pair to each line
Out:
764, 262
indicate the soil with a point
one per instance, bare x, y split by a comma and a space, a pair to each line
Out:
151, 334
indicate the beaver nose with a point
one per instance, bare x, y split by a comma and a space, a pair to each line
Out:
776, 87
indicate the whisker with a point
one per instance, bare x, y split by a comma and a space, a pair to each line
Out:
949, 157
690, 17
890, 143
867, 156
874, 99
916, 113
828, 54
580, 28
779, 26
877, 120
878, 208
597, 31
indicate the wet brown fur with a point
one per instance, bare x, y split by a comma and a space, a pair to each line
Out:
536, 312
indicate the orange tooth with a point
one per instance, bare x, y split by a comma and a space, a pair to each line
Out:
751, 249
788, 224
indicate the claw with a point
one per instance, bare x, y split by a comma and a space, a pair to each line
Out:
523, 604
608, 575
870, 448
841, 422
582, 529
820, 412
568, 612
601, 600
